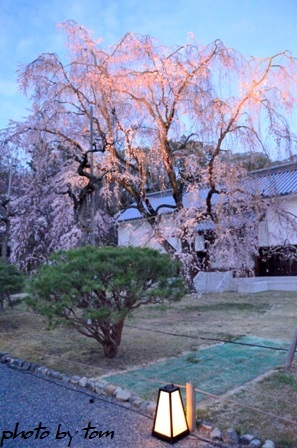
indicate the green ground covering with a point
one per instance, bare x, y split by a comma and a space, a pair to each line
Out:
215, 370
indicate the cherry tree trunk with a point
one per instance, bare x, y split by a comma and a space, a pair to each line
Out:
4, 242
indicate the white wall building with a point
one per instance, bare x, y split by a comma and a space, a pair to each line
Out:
278, 184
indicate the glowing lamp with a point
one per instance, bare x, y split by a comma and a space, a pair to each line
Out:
170, 422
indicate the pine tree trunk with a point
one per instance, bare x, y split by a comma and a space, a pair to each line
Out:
113, 340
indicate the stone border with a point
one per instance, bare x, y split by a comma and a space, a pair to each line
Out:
130, 401
233, 439
125, 397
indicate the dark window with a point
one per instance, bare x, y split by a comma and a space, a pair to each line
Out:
278, 261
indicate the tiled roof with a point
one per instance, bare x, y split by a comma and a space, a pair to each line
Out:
156, 199
274, 181
164, 198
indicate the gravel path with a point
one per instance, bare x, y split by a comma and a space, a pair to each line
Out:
52, 414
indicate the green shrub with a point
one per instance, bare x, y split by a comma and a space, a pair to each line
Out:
94, 289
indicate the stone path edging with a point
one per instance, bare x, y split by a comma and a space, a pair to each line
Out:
102, 388
231, 439
128, 400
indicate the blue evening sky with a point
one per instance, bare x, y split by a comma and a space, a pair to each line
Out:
28, 28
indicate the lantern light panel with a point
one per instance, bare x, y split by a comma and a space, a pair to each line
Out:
170, 422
